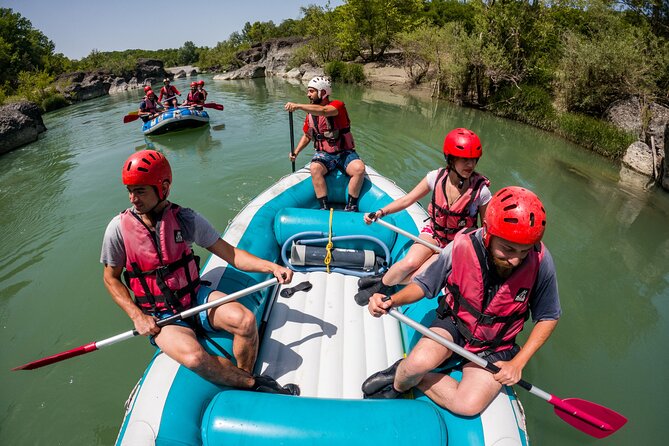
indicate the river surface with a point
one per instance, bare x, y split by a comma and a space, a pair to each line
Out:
610, 243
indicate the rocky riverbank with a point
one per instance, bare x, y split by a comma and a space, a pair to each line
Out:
645, 161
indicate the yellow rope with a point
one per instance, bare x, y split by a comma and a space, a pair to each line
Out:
328, 247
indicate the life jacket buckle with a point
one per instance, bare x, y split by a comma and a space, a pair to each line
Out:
486, 319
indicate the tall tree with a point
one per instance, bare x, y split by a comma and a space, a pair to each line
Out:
368, 27
22, 48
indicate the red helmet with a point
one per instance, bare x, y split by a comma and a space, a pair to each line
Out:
200, 82
193, 84
149, 92
147, 88
147, 167
462, 143
517, 215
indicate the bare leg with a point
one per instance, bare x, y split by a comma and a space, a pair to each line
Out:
413, 260
318, 172
425, 356
468, 397
237, 320
355, 170
181, 344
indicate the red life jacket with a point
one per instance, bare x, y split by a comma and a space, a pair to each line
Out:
329, 134
447, 221
195, 97
164, 279
149, 105
169, 92
490, 326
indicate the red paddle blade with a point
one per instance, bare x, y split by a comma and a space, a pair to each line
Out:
214, 105
130, 118
58, 357
591, 418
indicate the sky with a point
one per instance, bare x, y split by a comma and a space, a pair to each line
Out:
77, 27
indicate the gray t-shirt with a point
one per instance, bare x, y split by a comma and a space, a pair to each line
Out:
544, 302
194, 227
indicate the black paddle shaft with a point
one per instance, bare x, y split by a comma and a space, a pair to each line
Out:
292, 137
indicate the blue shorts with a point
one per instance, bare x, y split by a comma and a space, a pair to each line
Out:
332, 161
448, 324
200, 319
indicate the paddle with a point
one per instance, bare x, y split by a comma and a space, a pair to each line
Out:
591, 418
130, 117
91, 347
213, 105
292, 138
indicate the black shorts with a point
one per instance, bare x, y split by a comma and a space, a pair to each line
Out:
448, 324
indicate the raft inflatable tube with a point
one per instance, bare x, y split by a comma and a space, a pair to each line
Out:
175, 119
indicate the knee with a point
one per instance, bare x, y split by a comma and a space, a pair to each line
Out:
416, 365
316, 169
243, 323
411, 264
467, 406
195, 359
356, 168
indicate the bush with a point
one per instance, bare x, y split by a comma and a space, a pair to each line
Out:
54, 102
599, 136
528, 103
351, 73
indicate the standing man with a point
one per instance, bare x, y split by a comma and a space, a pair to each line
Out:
170, 92
328, 125
493, 279
152, 241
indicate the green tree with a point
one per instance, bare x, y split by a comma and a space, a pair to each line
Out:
320, 27
368, 27
187, 54
22, 48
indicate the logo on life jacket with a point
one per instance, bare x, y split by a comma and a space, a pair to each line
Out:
522, 295
178, 238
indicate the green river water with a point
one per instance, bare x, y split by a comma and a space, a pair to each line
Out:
610, 243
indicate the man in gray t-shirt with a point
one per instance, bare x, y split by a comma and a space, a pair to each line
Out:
500, 271
152, 242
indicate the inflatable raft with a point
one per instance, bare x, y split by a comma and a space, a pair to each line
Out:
175, 119
320, 339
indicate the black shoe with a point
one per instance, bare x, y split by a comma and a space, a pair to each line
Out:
380, 384
266, 384
362, 297
351, 208
367, 281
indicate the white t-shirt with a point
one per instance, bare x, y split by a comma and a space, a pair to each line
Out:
483, 198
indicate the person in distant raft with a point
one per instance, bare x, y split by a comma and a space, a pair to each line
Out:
195, 97
460, 196
493, 279
200, 88
328, 125
150, 107
152, 241
170, 93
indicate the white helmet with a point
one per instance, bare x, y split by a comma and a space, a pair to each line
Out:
321, 83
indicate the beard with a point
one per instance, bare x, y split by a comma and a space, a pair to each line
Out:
504, 269
316, 101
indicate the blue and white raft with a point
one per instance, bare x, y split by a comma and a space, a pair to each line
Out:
320, 339
175, 119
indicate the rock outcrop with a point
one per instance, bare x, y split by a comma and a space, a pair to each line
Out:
271, 58
20, 124
647, 156
81, 86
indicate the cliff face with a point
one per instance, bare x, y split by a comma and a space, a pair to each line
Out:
271, 58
